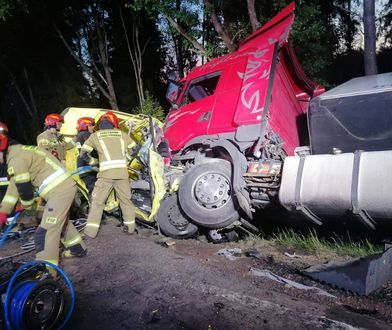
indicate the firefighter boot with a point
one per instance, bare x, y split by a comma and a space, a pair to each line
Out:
129, 227
72, 254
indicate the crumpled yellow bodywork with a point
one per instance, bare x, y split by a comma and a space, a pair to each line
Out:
136, 126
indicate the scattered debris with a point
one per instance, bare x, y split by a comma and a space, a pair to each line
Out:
170, 242
294, 255
80, 223
360, 275
231, 254
336, 325
254, 253
277, 278
218, 305
362, 311
29, 245
154, 317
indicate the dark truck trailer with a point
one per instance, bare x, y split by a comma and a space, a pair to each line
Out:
356, 115
349, 167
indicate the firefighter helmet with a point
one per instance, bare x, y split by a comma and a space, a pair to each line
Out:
111, 117
3, 136
84, 122
52, 119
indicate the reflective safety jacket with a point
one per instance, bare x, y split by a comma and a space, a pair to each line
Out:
30, 168
3, 177
81, 163
111, 146
6, 204
54, 143
10, 198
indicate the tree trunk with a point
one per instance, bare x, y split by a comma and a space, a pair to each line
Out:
135, 55
369, 24
254, 22
178, 47
219, 28
31, 95
105, 61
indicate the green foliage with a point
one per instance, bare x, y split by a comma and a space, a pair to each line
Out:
386, 22
4, 9
313, 36
311, 242
150, 107
7, 6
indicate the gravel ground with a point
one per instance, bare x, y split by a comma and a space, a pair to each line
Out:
145, 281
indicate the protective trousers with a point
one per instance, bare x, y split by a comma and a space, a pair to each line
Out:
89, 180
101, 192
55, 222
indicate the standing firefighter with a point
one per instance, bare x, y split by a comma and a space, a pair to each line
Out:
111, 145
85, 127
51, 140
30, 168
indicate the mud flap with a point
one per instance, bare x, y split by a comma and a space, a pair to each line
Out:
359, 275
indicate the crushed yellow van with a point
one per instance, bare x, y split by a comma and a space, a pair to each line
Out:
146, 170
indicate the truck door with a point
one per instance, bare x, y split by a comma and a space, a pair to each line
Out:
193, 116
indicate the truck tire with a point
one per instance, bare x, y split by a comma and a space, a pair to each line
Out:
206, 194
172, 220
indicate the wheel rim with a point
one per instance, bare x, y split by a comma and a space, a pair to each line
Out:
44, 307
212, 190
176, 218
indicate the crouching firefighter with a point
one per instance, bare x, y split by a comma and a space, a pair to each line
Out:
30, 168
111, 145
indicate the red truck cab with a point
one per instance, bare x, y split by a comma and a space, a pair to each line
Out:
229, 94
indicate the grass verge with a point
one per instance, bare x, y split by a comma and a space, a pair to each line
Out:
311, 242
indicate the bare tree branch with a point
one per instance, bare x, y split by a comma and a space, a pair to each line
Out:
102, 47
219, 28
135, 60
84, 67
18, 90
194, 42
254, 22
31, 95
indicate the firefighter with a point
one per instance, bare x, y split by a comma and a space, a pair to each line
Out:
111, 145
51, 140
3, 187
30, 168
85, 127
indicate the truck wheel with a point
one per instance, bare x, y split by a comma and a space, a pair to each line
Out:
172, 221
206, 194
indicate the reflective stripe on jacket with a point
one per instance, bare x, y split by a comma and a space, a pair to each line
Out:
111, 146
31, 168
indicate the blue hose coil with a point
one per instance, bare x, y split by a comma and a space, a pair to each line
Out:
18, 300
13, 320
